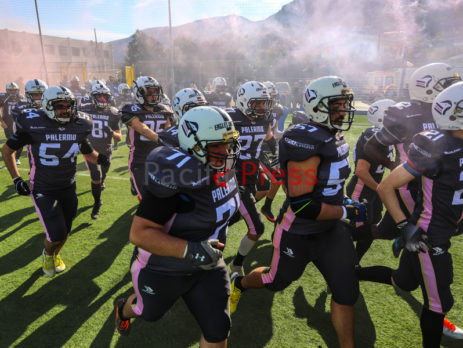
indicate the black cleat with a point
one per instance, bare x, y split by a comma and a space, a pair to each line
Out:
96, 210
267, 213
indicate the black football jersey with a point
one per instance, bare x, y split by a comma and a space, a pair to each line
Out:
307, 140
216, 199
252, 135
222, 100
438, 156
356, 187
156, 120
52, 147
8, 103
169, 137
103, 122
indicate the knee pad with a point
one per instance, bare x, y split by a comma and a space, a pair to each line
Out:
217, 331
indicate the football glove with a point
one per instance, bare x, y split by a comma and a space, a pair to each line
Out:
205, 254
416, 240
21, 187
356, 212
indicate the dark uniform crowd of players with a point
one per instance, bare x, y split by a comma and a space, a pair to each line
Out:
199, 165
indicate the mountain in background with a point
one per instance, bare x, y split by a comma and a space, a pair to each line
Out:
334, 36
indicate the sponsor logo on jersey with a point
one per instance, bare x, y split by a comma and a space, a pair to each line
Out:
443, 106
299, 144
424, 81
343, 149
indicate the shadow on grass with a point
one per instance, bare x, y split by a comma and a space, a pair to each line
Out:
9, 193
121, 170
416, 306
74, 290
14, 217
320, 319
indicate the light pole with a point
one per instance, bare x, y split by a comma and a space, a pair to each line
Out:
172, 74
41, 42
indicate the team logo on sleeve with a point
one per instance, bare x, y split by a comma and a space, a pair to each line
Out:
443, 106
190, 127
424, 81
310, 95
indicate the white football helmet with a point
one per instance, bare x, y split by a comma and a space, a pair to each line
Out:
318, 96
206, 125
219, 84
103, 92
375, 113
186, 99
124, 89
272, 90
253, 91
447, 108
75, 81
55, 94
141, 86
36, 87
12, 88
426, 82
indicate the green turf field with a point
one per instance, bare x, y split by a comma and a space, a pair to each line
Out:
76, 308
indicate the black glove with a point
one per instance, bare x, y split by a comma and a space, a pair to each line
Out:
103, 160
21, 187
203, 254
416, 240
356, 212
397, 246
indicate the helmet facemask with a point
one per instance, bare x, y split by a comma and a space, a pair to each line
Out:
446, 82
71, 114
340, 123
101, 100
251, 110
144, 91
34, 99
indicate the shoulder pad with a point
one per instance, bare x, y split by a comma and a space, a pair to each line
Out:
31, 119
88, 108
132, 109
163, 108
113, 110
429, 143
170, 170
84, 119
304, 141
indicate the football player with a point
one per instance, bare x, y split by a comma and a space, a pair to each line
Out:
219, 96
105, 128
314, 159
368, 174
145, 118
8, 102
251, 118
435, 156
78, 91
190, 196
55, 134
184, 100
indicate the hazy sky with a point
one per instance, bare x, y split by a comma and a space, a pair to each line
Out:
115, 19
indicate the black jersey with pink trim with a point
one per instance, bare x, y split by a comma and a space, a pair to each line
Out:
304, 141
155, 120
214, 199
252, 135
356, 187
104, 122
438, 157
52, 148
8, 103
169, 137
